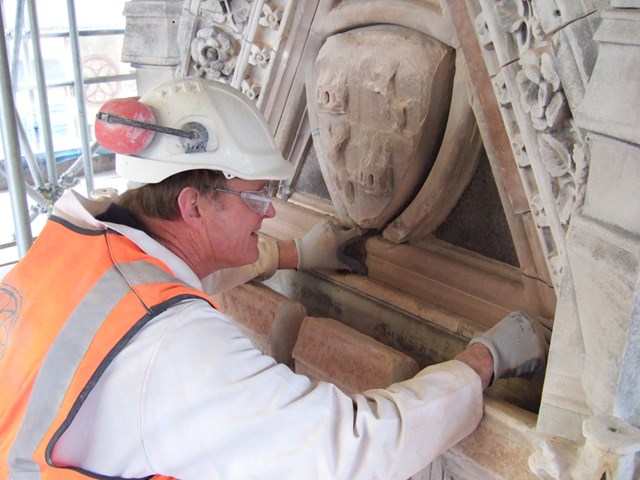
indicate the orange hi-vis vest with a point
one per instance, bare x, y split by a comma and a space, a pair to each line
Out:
66, 310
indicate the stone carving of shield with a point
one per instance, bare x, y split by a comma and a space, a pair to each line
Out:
379, 98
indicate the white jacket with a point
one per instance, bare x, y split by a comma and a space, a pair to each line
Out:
190, 397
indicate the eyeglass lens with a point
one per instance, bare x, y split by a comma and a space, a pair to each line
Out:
258, 201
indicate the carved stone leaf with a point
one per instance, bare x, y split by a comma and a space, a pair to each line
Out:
555, 111
556, 267
548, 71
226, 42
539, 122
554, 155
205, 33
537, 112
539, 213
544, 94
509, 19
482, 29
213, 11
522, 157
500, 87
581, 164
528, 91
531, 67
566, 199
536, 29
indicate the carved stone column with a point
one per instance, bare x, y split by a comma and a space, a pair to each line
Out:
150, 44
603, 249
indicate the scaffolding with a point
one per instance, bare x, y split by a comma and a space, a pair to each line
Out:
18, 151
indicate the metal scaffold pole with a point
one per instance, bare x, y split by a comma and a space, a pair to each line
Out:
80, 100
43, 99
15, 175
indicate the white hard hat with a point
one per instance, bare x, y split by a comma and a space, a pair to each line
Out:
239, 142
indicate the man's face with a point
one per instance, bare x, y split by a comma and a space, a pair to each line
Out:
231, 225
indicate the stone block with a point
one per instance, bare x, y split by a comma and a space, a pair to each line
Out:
575, 57
269, 319
331, 351
614, 163
611, 103
151, 31
605, 265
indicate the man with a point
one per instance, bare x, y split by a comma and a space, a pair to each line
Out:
117, 365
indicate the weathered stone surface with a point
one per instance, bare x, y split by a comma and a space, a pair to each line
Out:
605, 263
611, 106
330, 351
554, 14
614, 163
373, 147
450, 174
269, 319
563, 407
498, 449
576, 55
151, 31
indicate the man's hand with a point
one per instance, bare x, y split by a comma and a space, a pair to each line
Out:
318, 248
518, 344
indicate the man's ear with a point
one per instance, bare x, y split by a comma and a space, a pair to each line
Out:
189, 205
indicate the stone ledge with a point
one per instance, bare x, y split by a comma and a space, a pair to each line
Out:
269, 319
331, 351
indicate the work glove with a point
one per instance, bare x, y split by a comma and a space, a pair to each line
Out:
518, 344
322, 247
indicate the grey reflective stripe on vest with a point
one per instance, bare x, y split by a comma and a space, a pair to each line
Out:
65, 355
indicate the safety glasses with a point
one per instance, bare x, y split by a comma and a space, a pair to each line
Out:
258, 200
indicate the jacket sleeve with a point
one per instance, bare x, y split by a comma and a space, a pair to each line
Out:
215, 407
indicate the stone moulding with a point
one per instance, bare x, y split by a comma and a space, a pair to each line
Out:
234, 41
449, 176
551, 154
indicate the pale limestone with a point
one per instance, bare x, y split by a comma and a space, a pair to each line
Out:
270, 320
330, 351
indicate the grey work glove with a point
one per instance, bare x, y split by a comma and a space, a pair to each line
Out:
518, 344
318, 248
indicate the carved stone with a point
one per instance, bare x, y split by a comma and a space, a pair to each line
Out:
379, 97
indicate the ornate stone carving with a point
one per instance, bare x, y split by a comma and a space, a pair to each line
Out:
540, 90
373, 92
552, 156
234, 41
213, 53
516, 18
271, 17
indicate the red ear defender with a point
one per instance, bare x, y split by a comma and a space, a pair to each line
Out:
121, 138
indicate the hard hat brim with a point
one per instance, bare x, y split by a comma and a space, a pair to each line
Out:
142, 170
